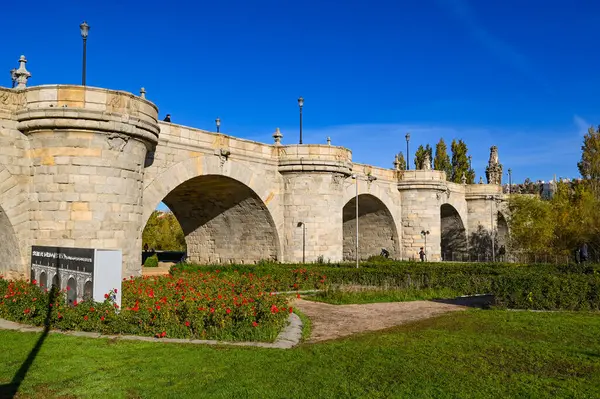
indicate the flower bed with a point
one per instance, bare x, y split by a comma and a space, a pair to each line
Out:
200, 305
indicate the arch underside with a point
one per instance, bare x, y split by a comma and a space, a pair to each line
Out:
453, 233
9, 246
376, 228
223, 220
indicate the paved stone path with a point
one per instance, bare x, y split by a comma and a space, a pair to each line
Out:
334, 321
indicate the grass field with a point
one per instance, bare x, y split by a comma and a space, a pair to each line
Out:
476, 354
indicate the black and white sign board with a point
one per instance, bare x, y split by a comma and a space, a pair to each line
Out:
86, 273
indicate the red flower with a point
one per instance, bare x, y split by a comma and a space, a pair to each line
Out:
212, 310
116, 291
75, 303
228, 311
92, 309
26, 311
85, 317
34, 282
102, 318
105, 296
254, 324
274, 309
68, 288
187, 323
291, 310
157, 307
163, 334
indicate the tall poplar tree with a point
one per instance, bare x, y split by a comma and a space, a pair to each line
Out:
401, 161
420, 155
589, 166
442, 160
460, 163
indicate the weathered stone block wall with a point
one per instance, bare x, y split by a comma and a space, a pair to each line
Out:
313, 190
14, 189
87, 150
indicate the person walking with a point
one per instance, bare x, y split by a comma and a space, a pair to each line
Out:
583, 253
422, 255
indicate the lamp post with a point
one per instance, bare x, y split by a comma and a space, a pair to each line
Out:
218, 123
85, 28
470, 167
300, 104
13, 76
370, 179
425, 233
301, 224
510, 181
407, 137
492, 198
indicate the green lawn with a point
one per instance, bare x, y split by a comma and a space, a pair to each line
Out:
475, 354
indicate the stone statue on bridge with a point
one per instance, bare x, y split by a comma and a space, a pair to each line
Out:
493, 172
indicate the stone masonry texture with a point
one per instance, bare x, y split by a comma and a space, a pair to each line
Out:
85, 167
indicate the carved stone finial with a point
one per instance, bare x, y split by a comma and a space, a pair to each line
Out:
328, 140
143, 92
426, 162
463, 178
277, 136
396, 162
493, 172
480, 180
22, 74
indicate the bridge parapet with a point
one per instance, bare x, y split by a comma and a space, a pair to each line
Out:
314, 158
422, 179
482, 191
87, 108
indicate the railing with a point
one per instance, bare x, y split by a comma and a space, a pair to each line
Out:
512, 258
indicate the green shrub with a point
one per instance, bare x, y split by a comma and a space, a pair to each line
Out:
151, 261
535, 286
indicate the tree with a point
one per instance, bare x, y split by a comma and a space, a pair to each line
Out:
401, 161
163, 232
460, 163
589, 166
420, 156
442, 160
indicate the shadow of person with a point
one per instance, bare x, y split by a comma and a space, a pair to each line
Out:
10, 390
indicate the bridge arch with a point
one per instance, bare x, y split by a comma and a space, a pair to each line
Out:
454, 240
228, 212
10, 252
377, 226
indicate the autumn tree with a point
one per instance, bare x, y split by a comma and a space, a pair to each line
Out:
420, 155
442, 160
460, 163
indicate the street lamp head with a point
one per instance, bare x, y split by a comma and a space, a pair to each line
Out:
371, 178
13, 74
300, 224
407, 137
509, 171
218, 121
300, 102
424, 232
353, 176
85, 28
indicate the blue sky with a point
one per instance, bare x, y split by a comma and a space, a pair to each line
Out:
522, 75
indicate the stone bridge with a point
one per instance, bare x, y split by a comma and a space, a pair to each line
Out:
85, 167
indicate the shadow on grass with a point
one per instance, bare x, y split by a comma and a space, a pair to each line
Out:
10, 390
476, 301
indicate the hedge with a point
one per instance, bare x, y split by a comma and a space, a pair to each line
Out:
537, 286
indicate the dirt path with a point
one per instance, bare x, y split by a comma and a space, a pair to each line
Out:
334, 321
